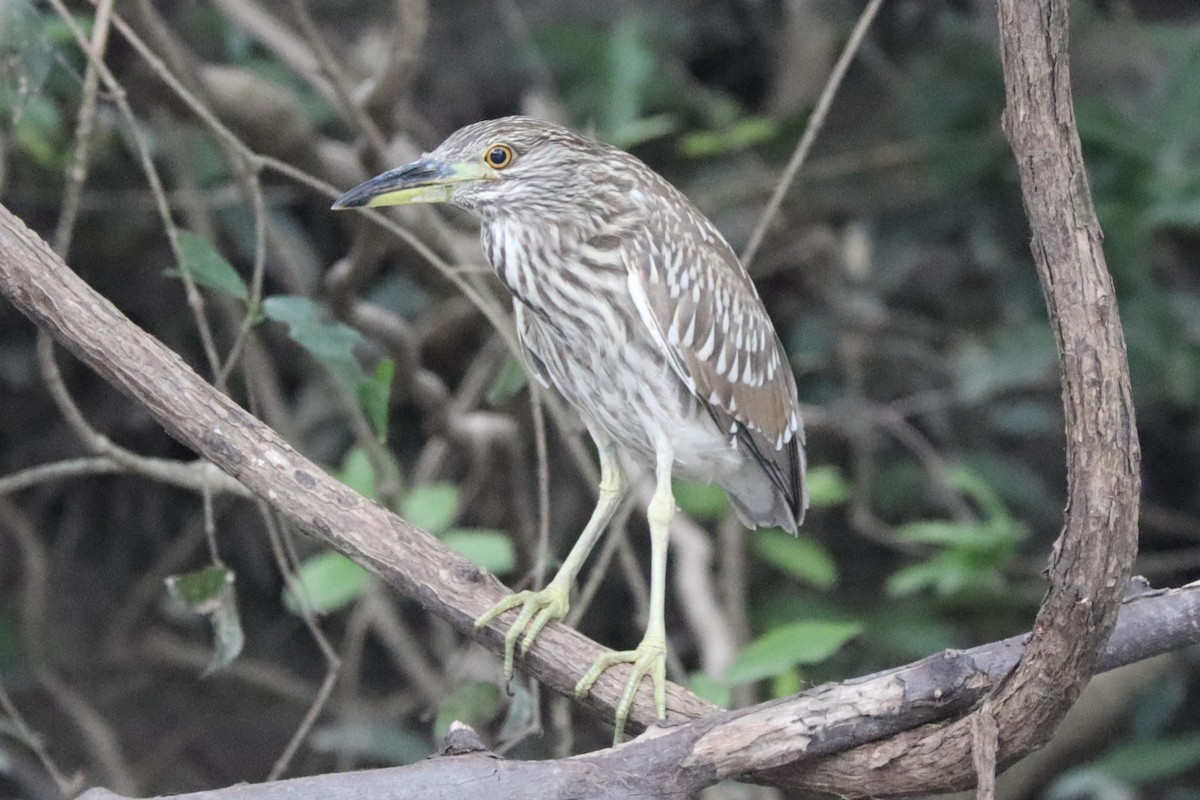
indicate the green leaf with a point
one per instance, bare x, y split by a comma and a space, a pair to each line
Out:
788, 646
12, 646
40, 132
827, 487
327, 581
976, 487
1142, 763
431, 506
786, 683
512, 379
700, 501
228, 638
742, 134
630, 66
208, 267
943, 532
309, 325
209, 592
950, 572
996, 538
374, 391
200, 590
26, 57
489, 549
1013, 357
911, 580
801, 557
358, 473
1085, 783
332, 344
715, 692
476, 704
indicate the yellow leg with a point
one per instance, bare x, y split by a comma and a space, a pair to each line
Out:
650, 657
539, 608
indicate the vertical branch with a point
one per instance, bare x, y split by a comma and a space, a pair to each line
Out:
1091, 560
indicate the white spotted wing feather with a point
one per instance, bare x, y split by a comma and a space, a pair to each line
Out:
699, 303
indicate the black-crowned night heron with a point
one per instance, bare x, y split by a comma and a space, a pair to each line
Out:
631, 304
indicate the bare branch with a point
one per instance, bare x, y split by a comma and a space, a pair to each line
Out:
445, 583
784, 738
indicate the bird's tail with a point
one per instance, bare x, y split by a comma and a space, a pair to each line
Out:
759, 502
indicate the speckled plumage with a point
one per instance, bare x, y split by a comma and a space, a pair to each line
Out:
633, 306
630, 303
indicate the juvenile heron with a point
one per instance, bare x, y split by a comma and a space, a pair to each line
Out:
631, 304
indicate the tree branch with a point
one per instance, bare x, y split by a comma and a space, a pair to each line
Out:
1090, 561
779, 739
40, 285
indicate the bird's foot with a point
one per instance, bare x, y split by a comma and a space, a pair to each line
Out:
649, 659
538, 609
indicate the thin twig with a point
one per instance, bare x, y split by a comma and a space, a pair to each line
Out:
190, 475
696, 593
404, 646
257, 274
210, 524
85, 126
616, 532
354, 642
101, 741
337, 79
542, 555
59, 470
815, 121
36, 744
264, 676
142, 149
932, 461
285, 560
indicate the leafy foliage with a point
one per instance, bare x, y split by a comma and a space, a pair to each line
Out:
326, 582
432, 506
972, 555
209, 268
333, 344
209, 593
788, 646
800, 557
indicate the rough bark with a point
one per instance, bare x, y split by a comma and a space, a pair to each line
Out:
1091, 558
778, 739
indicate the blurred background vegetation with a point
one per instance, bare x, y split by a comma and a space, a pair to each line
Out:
898, 275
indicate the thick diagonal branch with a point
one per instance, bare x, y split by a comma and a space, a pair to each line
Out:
42, 287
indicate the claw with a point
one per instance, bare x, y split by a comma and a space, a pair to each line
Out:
648, 660
538, 609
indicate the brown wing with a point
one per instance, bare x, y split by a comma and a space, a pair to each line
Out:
700, 304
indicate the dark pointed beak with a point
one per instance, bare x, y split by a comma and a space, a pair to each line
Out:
424, 181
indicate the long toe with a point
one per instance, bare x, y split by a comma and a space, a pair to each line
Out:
648, 660
536, 611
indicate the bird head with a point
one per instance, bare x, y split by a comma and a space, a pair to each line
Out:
513, 165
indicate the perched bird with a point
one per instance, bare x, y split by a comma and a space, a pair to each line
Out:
630, 303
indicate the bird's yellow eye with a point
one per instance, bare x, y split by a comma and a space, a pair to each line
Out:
499, 156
